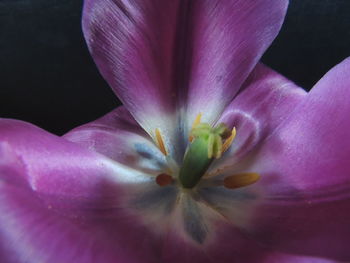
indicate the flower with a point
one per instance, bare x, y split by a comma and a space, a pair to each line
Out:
184, 188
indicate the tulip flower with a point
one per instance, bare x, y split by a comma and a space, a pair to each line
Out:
214, 157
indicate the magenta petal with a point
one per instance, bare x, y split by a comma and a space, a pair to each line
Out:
57, 166
194, 53
56, 209
50, 161
276, 257
62, 203
229, 244
266, 99
118, 136
30, 231
306, 174
36, 229
226, 40
132, 44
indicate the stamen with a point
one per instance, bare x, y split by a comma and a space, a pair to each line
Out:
164, 179
240, 180
229, 140
195, 123
218, 147
197, 120
160, 142
211, 145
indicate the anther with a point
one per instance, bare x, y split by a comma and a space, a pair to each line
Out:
160, 142
195, 123
211, 141
240, 180
164, 179
229, 140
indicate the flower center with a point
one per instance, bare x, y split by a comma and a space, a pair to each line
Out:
206, 143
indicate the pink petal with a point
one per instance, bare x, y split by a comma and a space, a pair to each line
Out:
118, 136
265, 100
306, 174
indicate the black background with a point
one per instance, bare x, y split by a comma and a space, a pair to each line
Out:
48, 78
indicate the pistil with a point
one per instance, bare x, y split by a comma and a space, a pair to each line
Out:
195, 163
206, 144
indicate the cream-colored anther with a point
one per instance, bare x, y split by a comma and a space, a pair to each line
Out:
160, 142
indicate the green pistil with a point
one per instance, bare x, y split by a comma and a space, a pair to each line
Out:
205, 147
195, 163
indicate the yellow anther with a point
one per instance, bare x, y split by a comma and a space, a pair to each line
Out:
160, 142
211, 145
229, 140
240, 180
196, 121
218, 147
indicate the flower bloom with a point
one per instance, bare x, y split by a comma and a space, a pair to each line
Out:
214, 157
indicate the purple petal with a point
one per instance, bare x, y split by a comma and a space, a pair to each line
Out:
118, 136
32, 231
290, 258
54, 165
59, 202
228, 244
132, 43
195, 53
226, 40
266, 99
306, 174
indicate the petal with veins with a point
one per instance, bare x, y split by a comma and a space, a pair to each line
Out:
60, 202
192, 56
118, 136
266, 99
305, 174
224, 41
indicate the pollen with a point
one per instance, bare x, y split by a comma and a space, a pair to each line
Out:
160, 142
240, 180
164, 179
229, 140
